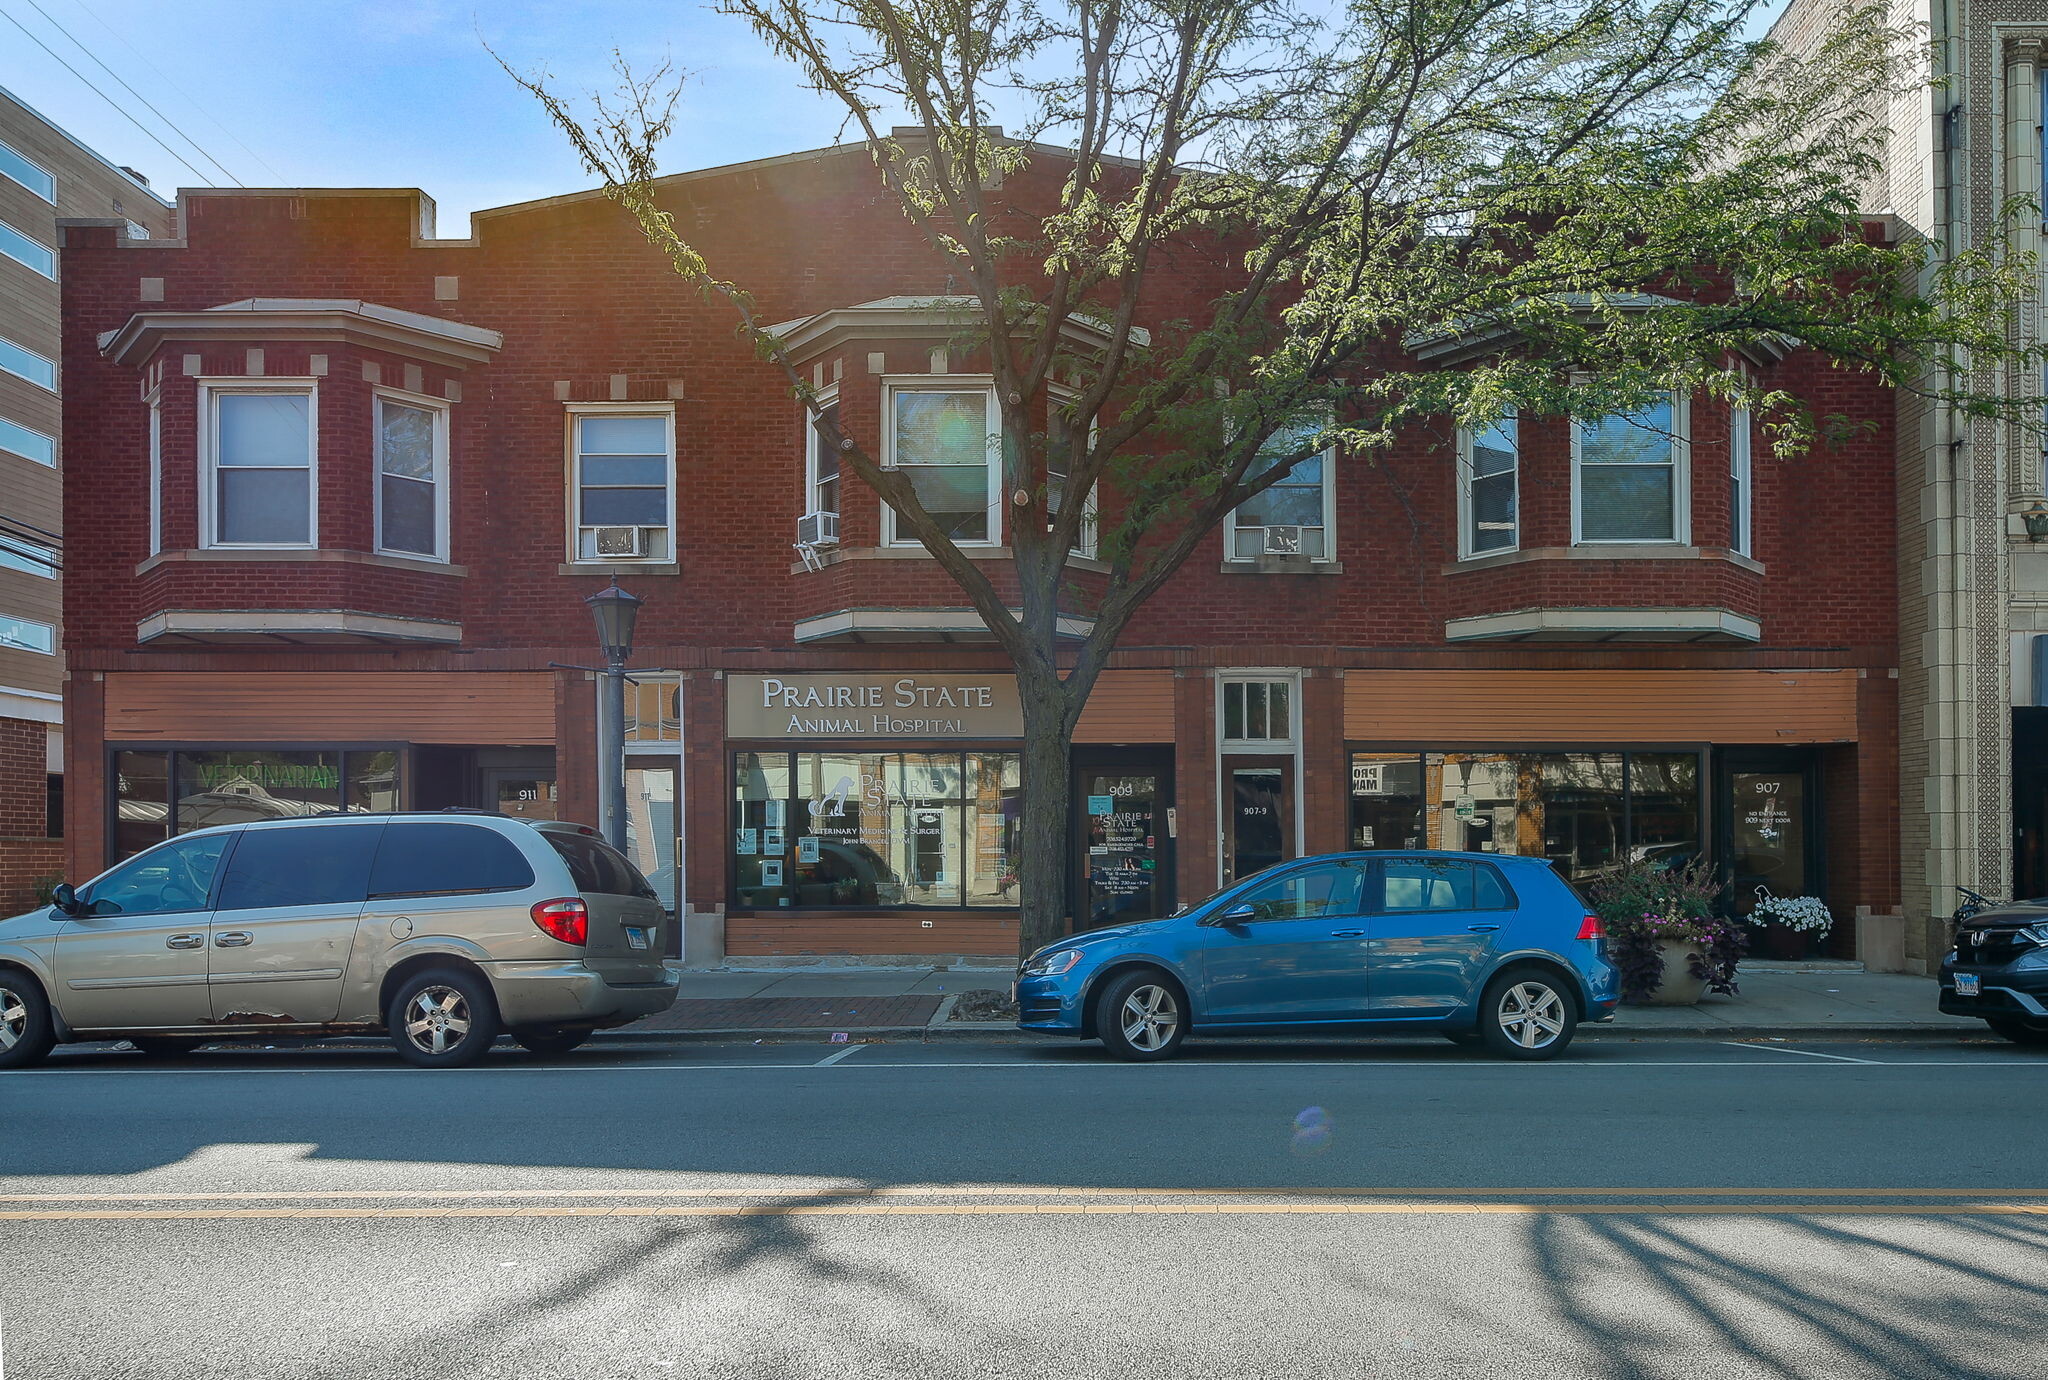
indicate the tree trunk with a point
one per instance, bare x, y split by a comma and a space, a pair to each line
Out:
1048, 798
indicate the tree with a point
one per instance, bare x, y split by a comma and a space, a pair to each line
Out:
1610, 198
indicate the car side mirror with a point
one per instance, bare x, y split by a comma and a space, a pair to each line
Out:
65, 897
1232, 918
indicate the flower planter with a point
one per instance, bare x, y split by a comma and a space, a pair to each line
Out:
1679, 987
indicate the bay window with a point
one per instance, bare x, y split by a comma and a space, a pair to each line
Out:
623, 478
259, 462
1295, 515
1628, 476
947, 441
412, 478
821, 458
1489, 485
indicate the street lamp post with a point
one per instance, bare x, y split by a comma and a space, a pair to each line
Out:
615, 611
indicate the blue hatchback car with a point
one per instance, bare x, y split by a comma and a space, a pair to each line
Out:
1485, 948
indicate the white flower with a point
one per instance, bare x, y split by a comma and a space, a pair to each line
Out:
1794, 913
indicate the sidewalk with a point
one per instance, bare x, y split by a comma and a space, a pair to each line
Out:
1775, 999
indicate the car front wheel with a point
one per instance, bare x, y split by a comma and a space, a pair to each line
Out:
25, 1030
2020, 1032
1140, 1016
1527, 1014
443, 1019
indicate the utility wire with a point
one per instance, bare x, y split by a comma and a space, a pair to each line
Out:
203, 178
51, 20
189, 99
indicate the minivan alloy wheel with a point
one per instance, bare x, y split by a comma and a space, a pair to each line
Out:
13, 1018
437, 1019
1532, 1014
1149, 1018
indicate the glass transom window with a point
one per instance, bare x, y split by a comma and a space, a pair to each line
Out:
1258, 711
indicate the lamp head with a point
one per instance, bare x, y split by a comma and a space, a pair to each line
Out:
616, 611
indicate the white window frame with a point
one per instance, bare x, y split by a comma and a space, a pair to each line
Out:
155, 402
49, 628
9, 233
1467, 439
1329, 556
827, 397
1681, 483
49, 196
437, 408
572, 473
1086, 537
51, 386
1742, 476
49, 464
28, 557
944, 383
1289, 747
210, 393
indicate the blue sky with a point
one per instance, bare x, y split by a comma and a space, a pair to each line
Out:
381, 93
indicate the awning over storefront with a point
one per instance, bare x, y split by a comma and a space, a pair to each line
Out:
506, 708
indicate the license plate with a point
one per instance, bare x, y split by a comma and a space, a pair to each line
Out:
636, 937
1969, 985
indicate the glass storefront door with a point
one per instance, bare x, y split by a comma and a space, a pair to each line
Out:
1258, 814
1123, 850
653, 828
1769, 839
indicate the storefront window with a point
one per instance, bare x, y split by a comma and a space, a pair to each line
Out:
164, 792
823, 829
1588, 812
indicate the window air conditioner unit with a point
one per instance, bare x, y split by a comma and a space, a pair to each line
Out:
818, 529
1283, 541
621, 541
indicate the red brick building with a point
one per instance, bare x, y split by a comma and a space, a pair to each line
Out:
348, 485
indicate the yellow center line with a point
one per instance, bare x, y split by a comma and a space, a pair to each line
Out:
870, 1209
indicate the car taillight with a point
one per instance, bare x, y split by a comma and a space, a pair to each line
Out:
567, 920
1589, 928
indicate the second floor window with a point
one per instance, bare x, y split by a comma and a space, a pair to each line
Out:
1292, 517
260, 464
624, 482
947, 441
412, 479
1741, 494
1489, 481
821, 459
1628, 481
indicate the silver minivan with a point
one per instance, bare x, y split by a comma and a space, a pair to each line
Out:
443, 930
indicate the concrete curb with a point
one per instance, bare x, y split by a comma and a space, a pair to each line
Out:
995, 1032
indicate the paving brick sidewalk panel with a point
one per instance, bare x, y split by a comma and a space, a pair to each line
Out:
790, 1013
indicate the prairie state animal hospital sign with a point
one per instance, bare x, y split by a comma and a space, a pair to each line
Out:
873, 706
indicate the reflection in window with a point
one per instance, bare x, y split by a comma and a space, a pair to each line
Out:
822, 829
1257, 711
945, 442
654, 711
238, 785
1588, 812
1329, 889
1290, 517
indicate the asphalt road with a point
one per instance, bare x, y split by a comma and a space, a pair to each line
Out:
1652, 1208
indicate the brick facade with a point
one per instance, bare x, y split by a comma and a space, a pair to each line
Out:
588, 314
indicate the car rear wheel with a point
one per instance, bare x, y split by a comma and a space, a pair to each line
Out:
1527, 1014
1140, 1016
2019, 1031
549, 1041
443, 1019
25, 1031
165, 1046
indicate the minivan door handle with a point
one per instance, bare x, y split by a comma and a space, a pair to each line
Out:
233, 939
184, 941
1347, 934
1482, 929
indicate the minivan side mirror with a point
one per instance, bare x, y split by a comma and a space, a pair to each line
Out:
65, 897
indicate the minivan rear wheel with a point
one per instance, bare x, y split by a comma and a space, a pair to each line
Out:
1527, 1014
443, 1018
538, 1040
26, 1034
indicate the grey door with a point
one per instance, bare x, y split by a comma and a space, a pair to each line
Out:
285, 923
137, 958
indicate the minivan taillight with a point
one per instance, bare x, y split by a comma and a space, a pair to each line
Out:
567, 920
1589, 928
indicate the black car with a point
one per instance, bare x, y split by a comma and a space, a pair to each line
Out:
1998, 970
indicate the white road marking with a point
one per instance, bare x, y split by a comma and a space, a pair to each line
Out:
837, 1055
1809, 1053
